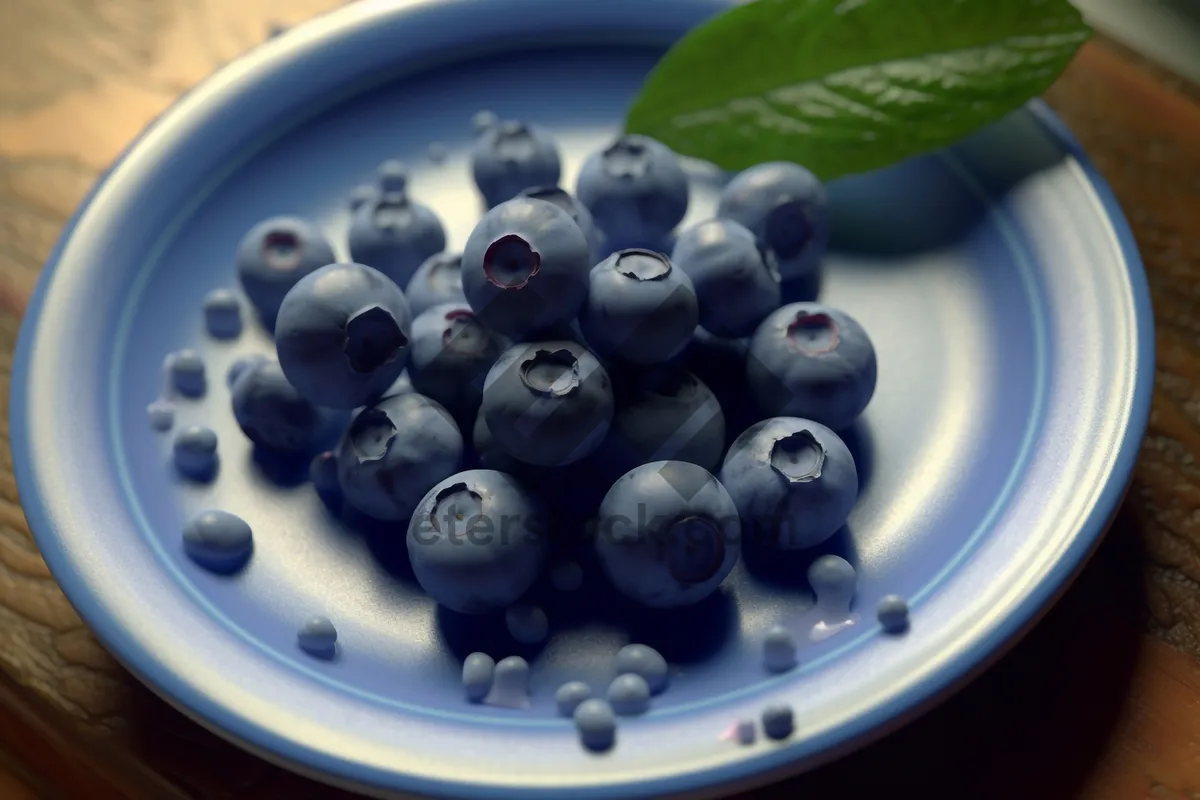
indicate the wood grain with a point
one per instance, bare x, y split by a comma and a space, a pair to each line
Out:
1099, 702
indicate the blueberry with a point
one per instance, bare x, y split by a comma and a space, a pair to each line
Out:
736, 282
394, 452
161, 414
361, 195
596, 723
271, 412
437, 281
668, 415
343, 335
785, 207
721, 365
477, 672
892, 613
525, 267
640, 308
318, 637
527, 624
274, 256
395, 234
222, 314
185, 370
577, 210
477, 541
511, 156
240, 365
570, 695
639, 659
195, 452
778, 722
218, 540
668, 534
629, 695
636, 190
451, 354
808, 360
547, 404
793, 480
779, 650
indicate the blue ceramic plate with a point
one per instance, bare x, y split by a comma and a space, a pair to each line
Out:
998, 279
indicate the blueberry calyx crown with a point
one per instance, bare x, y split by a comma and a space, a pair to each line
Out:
798, 457
282, 250
393, 212
373, 338
456, 503
643, 265
551, 373
463, 334
813, 334
510, 262
626, 158
393, 179
514, 143
371, 434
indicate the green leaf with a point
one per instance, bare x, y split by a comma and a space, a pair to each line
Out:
845, 86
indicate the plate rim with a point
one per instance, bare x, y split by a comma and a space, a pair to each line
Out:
944, 682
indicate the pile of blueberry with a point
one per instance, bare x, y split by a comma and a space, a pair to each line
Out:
578, 370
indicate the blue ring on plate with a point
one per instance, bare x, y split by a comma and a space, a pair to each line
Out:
674, 15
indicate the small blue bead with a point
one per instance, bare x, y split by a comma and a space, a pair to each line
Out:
779, 650
186, 372
195, 452
317, 637
161, 414
639, 659
596, 723
570, 695
477, 674
892, 613
218, 540
222, 314
778, 722
629, 695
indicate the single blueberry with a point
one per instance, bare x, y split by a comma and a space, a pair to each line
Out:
736, 281
668, 534
793, 480
808, 360
779, 650
274, 256
570, 695
892, 613
639, 309
343, 335
667, 415
778, 722
271, 412
525, 267
548, 404
640, 659
437, 281
218, 540
222, 314
195, 452
527, 624
629, 695
451, 354
477, 673
596, 723
161, 414
394, 452
510, 683
318, 637
186, 372
636, 190
395, 234
511, 156
785, 206
577, 211
477, 541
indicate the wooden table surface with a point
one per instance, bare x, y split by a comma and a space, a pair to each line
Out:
1101, 700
